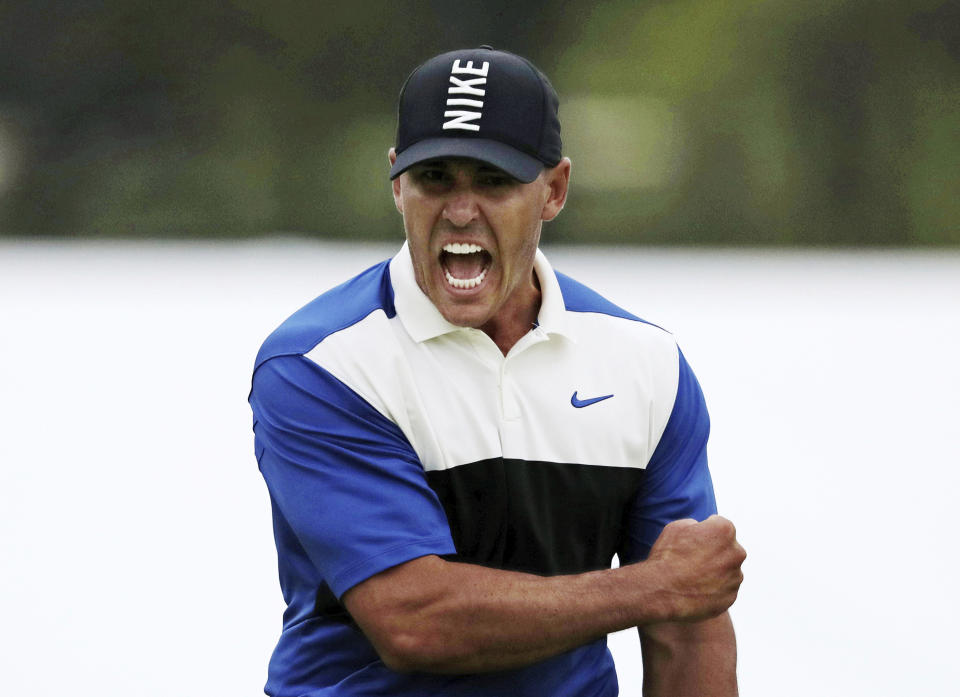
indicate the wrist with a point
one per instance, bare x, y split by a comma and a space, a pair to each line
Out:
653, 600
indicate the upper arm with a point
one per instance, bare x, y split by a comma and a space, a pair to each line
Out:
674, 636
390, 605
343, 476
698, 658
676, 483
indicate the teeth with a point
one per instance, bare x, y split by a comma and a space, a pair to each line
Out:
463, 248
458, 248
465, 282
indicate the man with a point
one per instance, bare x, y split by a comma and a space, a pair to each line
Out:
457, 441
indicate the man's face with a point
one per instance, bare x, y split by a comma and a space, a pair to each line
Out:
473, 232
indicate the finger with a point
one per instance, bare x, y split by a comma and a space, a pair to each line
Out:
719, 523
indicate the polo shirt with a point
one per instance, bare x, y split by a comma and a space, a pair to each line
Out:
385, 433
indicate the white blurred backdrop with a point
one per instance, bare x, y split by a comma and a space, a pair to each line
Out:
138, 558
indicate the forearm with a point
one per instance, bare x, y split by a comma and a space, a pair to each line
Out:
482, 619
445, 617
690, 660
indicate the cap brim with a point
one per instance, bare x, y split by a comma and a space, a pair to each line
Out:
518, 165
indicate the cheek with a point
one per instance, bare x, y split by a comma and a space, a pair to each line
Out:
530, 238
419, 214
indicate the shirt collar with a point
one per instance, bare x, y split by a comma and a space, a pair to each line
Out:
423, 321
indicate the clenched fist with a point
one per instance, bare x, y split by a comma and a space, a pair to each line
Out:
698, 565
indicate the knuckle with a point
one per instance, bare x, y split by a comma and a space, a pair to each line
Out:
741, 553
729, 529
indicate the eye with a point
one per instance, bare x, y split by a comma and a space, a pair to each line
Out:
430, 175
496, 179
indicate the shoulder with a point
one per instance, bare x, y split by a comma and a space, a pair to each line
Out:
579, 298
337, 309
609, 327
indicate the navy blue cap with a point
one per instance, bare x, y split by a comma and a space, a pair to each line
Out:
480, 104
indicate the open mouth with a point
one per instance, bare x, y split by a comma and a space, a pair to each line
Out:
464, 264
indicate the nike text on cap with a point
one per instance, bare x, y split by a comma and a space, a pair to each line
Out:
480, 104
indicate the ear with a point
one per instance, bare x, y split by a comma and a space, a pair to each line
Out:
557, 180
397, 199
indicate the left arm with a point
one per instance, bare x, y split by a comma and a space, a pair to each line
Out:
696, 659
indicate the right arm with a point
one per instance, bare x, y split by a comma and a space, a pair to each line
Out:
380, 535
446, 617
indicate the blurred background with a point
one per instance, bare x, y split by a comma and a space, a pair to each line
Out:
733, 122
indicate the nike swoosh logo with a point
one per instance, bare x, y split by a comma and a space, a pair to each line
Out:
580, 403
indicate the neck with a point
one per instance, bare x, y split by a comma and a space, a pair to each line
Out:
513, 323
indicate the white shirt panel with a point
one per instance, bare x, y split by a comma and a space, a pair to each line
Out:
634, 362
365, 358
457, 397
458, 400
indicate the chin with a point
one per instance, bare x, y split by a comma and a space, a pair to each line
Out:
465, 315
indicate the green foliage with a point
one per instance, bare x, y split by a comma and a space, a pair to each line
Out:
689, 122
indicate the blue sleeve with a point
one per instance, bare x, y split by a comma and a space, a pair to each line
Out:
676, 482
344, 477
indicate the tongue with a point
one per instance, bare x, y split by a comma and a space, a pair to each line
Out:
464, 265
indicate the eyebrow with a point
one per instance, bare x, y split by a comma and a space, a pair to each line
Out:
481, 166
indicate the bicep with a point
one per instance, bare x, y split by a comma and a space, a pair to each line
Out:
384, 603
676, 482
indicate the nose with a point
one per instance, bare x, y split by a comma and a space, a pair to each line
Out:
461, 207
